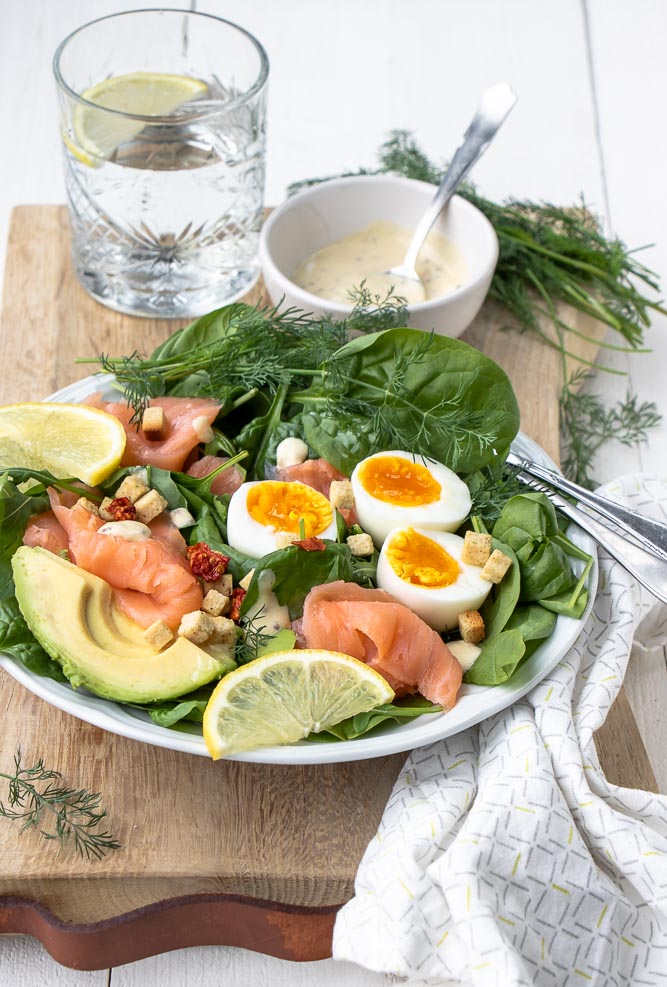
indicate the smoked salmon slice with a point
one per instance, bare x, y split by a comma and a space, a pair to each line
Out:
373, 626
45, 531
151, 579
315, 473
171, 452
226, 482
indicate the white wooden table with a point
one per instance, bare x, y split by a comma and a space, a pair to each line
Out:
591, 119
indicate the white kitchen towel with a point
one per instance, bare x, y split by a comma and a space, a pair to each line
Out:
504, 857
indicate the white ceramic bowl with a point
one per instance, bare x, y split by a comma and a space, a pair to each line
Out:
318, 216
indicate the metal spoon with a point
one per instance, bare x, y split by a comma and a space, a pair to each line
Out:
493, 110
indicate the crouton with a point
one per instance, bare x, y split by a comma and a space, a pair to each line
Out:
360, 544
132, 487
196, 626
286, 538
341, 495
149, 506
215, 603
245, 582
181, 517
104, 511
154, 424
476, 548
202, 429
471, 626
465, 654
224, 585
496, 566
224, 631
157, 635
88, 506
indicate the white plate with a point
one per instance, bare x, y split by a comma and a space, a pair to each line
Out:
475, 703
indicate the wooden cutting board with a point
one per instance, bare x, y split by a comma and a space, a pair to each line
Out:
241, 854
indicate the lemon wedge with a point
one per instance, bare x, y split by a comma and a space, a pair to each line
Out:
66, 439
285, 696
146, 94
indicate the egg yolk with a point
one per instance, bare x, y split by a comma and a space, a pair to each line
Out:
399, 481
421, 561
282, 505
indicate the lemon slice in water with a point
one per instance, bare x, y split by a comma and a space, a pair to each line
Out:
97, 134
285, 696
66, 439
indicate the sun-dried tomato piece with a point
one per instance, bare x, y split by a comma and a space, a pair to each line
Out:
207, 563
237, 598
311, 544
122, 509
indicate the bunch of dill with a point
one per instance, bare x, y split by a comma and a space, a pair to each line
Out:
549, 255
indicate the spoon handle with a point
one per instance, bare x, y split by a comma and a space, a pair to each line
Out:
493, 110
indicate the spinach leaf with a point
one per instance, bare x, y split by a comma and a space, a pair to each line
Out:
533, 621
363, 723
284, 429
528, 516
364, 569
297, 571
567, 603
499, 658
168, 714
500, 605
165, 484
342, 442
202, 332
257, 434
16, 508
545, 571
529, 525
399, 388
211, 525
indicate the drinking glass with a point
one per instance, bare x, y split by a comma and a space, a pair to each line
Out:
163, 122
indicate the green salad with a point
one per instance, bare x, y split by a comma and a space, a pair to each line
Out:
389, 392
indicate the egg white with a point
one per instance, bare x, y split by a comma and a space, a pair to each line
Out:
378, 517
251, 537
439, 607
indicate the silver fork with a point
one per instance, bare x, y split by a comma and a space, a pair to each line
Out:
643, 553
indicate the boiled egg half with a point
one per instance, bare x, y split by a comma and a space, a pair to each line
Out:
261, 510
393, 489
422, 568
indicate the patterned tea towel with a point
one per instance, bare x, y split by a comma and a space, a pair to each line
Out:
504, 857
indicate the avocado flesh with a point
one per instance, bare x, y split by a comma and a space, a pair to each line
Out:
74, 616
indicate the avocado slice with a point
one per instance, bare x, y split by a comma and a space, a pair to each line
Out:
74, 616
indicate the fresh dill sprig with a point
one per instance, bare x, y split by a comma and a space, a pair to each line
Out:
490, 489
267, 349
252, 640
587, 424
75, 814
375, 313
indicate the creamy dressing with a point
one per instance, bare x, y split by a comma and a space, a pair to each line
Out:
272, 616
334, 270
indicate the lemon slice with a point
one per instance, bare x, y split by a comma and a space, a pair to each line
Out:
285, 696
66, 439
98, 134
